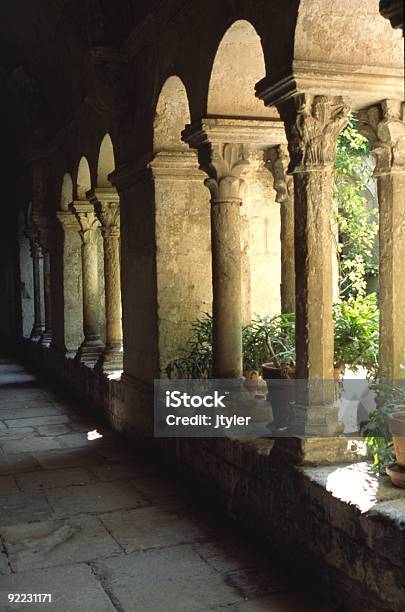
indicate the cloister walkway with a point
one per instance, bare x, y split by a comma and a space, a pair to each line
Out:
86, 520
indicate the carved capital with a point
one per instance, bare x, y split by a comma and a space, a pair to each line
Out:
106, 203
313, 124
88, 221
225, 167
383, 126
68, 220
277, 161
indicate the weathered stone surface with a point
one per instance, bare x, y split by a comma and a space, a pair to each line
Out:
49, 479
152, 527
8, 412
13, 464
98, 497
153, 488
53, 429
182, 576
124, 471
23, 508
72, 588
66, 458
30, 445
52, 543
17, 434
8, 485
37, 421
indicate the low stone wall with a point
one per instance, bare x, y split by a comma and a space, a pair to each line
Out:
341, 527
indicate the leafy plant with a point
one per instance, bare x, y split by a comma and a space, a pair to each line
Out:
377, 435
357, 225
356, 328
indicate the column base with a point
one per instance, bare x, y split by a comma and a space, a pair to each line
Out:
110, 361
46, 339
89, 354
36, 334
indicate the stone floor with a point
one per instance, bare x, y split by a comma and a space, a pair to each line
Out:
84, 519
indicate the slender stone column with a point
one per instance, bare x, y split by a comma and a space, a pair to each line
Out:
36, 255
107, 206
384, 126
224, 146
47, 335
312, 127
277, 161
92, 346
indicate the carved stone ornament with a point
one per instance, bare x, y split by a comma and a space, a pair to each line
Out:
277, 162
88, 221
313, 124
226, 167
383, 125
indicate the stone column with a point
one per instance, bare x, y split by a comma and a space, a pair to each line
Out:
312, 125
223, 147
384, 127
70, 329
277, 161
107, 207
36, 255
47, 335
92, 346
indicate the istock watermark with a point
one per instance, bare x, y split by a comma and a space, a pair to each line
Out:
235, 408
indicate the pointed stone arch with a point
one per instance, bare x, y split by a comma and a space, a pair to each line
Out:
106, 162
83, 181
171, 116
238, 66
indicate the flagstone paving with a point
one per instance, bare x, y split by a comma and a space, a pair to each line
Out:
100, 529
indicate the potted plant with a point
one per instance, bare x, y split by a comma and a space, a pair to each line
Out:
385, 432
356, 334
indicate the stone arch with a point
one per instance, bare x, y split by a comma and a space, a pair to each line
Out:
106, 162
83, 181
171, 116
238, 66
66, 195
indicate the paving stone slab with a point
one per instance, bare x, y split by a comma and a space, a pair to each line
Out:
53, 430
8, 485
37, 421
2, 425
173, 579
227, 555
14, 464
19, 433
4, 566
57, 542
73, 588
23, 508
25, 412
30, 445
285, 602
124, 471
67, 458
49, 479
97, 497
155, 488
152, 527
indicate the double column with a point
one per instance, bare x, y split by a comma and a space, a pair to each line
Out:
223, 147
384, 126
92, 346
107, 208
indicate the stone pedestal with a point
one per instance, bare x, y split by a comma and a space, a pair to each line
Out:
92, 346
313, 124
107, 207
384, 126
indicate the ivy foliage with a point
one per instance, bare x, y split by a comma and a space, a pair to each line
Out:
357, 225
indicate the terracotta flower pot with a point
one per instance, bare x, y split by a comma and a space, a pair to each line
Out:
396, 422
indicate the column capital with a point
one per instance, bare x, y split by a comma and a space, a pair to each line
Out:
313, 123
277, 161
383, 125
87, 219
68, 220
